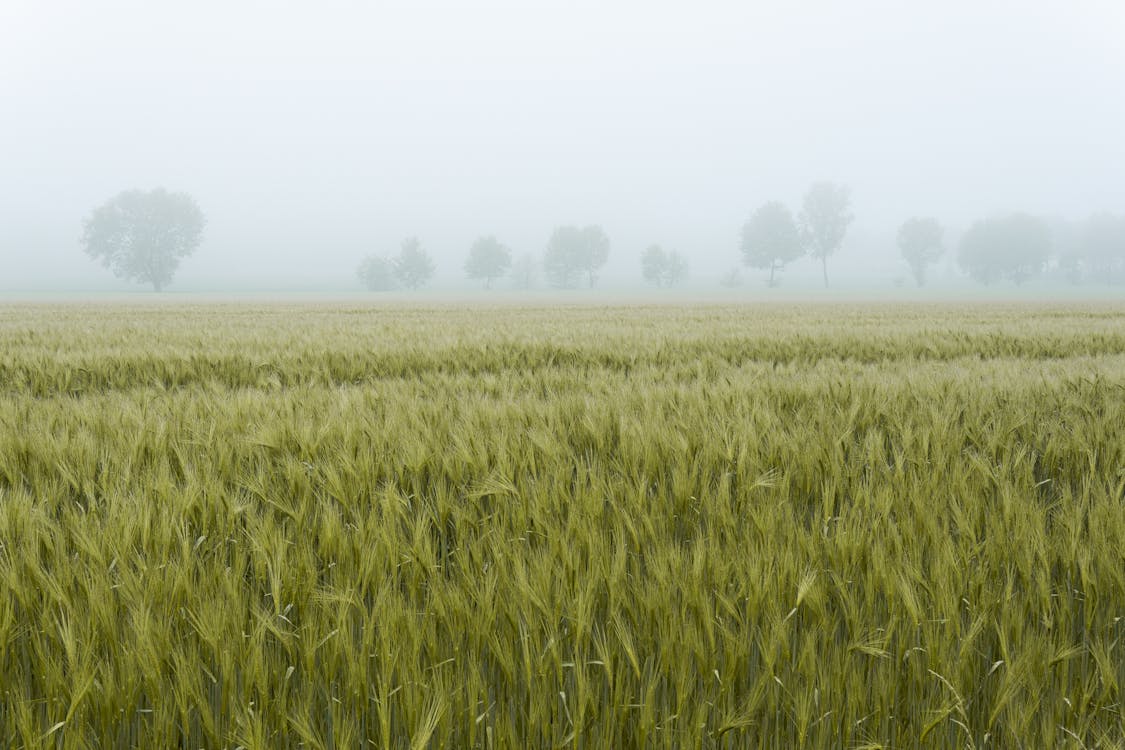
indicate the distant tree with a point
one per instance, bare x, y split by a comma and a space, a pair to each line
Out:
653, 262
1013, 247
574, 252
377, 273
825, 217
524, 271
663, 268
413, 266
731, 279
488, 260
143, 235
1102, 246
1066, 246
770, 239
678, 268
920, 242
1072, 266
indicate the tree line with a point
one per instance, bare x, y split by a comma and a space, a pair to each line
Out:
143, 235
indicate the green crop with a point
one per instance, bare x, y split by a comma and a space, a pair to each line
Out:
316, 526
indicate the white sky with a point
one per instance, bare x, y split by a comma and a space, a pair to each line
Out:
313, 133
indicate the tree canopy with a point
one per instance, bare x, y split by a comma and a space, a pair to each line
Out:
574, 252
1102, 246
413, 266
920, 242
488, 260
1013, 247
825, 218
663, 268
770, 239
524, 270
377, 273
143, 235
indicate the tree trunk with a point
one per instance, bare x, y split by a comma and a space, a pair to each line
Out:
773, 267
824, 268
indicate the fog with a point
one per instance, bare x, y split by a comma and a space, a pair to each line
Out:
313, 134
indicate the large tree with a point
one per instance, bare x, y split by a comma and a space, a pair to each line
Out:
770, 239
413, 266
1013, 247
825, 217
142, 235
488, 260
920, 242
662, 267
574, 252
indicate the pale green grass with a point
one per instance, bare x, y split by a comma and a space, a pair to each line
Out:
333, 527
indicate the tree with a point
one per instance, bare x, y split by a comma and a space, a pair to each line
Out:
653, 262
488, 260
1102, 246
919, 241
663, 268
770, 239
524, 271
573, 252
377, 273
1066, 246
143, 235
1013, 247
824, 221
731, 279
413, 266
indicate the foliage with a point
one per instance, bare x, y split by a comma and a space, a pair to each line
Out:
732, 279
663, 268
413, 266
1103, 247
524, 271
824, 221
488, 260
143, 235
1013, 247
771, 239
377, 273
714, 527
574, 252
920, 242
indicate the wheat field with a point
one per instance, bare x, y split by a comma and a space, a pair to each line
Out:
348, 525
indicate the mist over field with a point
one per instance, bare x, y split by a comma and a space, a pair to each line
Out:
314, 135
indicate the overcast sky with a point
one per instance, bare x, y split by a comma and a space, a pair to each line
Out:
313, 133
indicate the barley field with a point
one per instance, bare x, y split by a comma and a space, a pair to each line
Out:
346, 526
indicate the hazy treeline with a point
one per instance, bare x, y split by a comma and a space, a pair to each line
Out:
142, 236
1015, 247
315, 135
